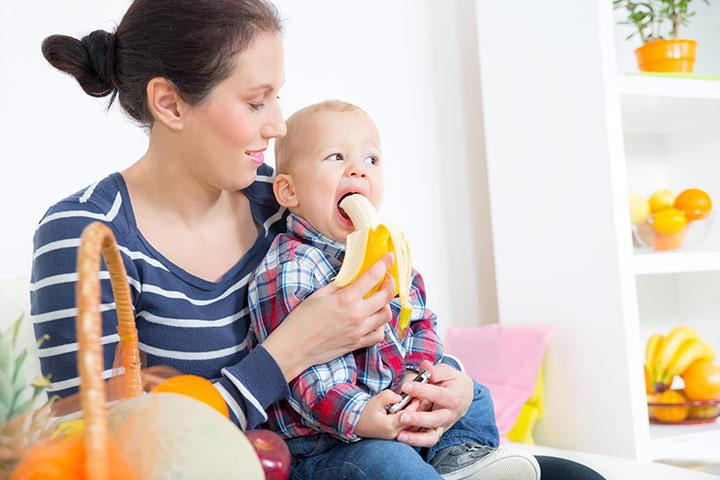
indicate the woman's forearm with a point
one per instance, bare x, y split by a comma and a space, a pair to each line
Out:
287, 351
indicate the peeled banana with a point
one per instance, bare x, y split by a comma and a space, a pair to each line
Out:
367, 244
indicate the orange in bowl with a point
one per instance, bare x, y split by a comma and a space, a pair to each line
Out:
695, 203
702, 381
669, 221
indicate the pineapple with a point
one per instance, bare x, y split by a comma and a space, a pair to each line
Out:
20, 426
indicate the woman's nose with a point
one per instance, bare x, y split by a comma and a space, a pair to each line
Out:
275, 126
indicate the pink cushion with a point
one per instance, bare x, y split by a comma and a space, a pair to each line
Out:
505, 359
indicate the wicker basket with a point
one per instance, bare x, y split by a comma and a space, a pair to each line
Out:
96, 240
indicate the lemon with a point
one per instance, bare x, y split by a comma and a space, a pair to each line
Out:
669, 221
639, 209
661, 199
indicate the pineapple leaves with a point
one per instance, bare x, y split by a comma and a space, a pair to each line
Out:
17, 393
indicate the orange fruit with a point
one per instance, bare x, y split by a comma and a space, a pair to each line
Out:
194, 387
670, 414
648, 381
669, 221
65, 458
695, 203
668, 242
702, 381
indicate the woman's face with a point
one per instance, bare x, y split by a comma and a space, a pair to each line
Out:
230, 130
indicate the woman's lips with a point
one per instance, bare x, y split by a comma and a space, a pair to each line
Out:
257, 157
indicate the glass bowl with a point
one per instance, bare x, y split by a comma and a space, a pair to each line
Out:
690, 238
696, 411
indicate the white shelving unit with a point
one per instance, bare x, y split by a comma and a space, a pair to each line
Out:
668, 263
566, 138
669, 128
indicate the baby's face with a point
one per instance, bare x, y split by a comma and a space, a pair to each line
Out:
338, 154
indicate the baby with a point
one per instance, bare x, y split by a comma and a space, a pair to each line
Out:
335, 415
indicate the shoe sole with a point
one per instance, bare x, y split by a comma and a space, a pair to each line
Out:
500, 465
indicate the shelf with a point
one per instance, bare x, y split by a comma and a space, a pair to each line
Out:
656, 263
684, 441
705, 88
661, 105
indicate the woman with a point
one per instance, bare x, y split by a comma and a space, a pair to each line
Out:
195, 215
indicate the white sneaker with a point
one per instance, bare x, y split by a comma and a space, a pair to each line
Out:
472, 461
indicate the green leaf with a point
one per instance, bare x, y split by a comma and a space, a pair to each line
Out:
20, 370
16, 329
6, 391
6, 353
23, 408
4, 413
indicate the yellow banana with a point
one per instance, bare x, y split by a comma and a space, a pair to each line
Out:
651, 349
367, 244
672, 343
653, 345
688, 353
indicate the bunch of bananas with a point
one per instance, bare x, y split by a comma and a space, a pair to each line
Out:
671, 355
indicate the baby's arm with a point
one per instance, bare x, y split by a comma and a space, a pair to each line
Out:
329, 400
327, 395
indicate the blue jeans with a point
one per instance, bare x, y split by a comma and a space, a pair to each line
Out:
321, 456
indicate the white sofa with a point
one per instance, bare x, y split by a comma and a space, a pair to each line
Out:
14, 301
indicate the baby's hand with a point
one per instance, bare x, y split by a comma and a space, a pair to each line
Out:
375, 422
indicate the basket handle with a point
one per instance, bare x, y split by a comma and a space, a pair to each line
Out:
98, 239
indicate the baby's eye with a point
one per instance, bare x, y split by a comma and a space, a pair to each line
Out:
257, 106
337, 157
372, 160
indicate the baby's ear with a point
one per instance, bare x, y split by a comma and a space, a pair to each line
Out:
284, 190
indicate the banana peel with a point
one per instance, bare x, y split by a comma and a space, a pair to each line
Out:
367, 244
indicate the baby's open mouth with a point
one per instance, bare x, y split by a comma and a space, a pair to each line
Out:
342, 212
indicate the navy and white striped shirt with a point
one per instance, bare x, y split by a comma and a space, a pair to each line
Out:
194, 325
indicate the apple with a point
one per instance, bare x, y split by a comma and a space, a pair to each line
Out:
273, 452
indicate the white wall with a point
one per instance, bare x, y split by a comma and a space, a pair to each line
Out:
411, 64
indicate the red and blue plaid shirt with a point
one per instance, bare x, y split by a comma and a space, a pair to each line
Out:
329, 397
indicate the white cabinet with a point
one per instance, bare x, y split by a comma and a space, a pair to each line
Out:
566, 137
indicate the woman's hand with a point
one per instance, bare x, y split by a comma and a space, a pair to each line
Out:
333, 321
436, 406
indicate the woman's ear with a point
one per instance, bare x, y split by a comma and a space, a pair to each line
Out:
165, 103
284, 190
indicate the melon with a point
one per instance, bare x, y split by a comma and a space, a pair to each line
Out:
171, 436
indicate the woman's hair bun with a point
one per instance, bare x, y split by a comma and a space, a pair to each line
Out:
90, 60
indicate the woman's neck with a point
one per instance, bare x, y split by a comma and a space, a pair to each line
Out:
160, 179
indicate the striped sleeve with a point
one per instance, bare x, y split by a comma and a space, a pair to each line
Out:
52, 291
251, 386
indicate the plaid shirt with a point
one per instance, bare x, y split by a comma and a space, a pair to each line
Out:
329, 397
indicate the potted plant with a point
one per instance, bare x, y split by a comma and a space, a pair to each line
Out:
658, 23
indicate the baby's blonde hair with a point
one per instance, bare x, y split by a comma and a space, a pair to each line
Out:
284, 146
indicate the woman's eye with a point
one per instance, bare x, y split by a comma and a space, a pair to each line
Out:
257, 106
372, 160
337, 157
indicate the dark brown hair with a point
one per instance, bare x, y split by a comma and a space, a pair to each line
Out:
191, 43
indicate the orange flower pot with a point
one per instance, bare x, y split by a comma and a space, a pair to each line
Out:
676, 55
